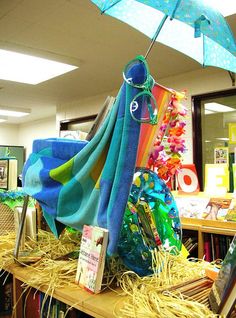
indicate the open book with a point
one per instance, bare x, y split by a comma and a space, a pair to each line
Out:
92, 256
223, 293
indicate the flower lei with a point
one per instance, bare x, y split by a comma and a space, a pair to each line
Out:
166, 156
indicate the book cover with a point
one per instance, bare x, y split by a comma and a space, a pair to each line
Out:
191, 244
192, 207
207, 250
8, 173
213, 247
193, 247
221, 155
223, 247
6, 295
48, 307
231, 215
32, 304
222, 296
217, 208
92, 258
217, 246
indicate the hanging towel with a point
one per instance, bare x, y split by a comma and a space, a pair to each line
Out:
79, 182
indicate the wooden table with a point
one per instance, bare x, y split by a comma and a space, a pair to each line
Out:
100, 305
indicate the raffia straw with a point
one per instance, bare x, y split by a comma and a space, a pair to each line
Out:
148, 297
46, 272
7, 243
50, 272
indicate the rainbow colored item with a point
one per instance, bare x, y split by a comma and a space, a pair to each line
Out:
149, 133
151, 219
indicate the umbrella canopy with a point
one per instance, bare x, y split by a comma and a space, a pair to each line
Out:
189, 26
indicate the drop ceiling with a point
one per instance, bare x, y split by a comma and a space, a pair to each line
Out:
73, 31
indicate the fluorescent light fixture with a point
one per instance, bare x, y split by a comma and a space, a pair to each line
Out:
223, 139
2, 119
207, 141
208, 112
29, 69
218, 108
226, 7
14, 112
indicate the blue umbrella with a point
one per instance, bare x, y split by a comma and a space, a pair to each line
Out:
189, 26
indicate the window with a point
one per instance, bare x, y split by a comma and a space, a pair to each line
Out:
214, 126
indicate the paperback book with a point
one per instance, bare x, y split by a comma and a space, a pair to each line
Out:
223, 293
217, 209
209, 208
91, 260
231, 215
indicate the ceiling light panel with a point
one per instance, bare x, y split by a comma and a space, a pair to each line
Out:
2, 119
208, 112
14, 112
222, 138
29, 69
218, 108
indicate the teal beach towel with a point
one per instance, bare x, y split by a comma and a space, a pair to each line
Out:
80, 182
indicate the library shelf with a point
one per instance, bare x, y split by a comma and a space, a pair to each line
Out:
201, 226
101, 305
98, 306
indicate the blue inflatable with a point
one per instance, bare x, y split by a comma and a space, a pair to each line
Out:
151, 220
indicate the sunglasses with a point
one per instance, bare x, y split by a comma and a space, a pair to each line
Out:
136, 74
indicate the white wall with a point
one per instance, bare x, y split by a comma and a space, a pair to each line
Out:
196, 82
40, 129
82, 107
9, 135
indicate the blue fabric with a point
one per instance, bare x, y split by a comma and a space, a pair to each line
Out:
80, 183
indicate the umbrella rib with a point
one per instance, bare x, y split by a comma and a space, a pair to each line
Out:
176, 7
156, 34
112, 5
232, 76
160, 27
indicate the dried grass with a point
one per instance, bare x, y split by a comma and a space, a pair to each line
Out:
145, 296
149, 296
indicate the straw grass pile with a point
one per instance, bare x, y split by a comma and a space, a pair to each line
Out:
150, 296
52, 270
144, 296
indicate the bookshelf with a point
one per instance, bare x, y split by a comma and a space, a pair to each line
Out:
201, 227
6, 292
98, 306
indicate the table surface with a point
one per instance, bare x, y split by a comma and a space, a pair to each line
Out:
102, 305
